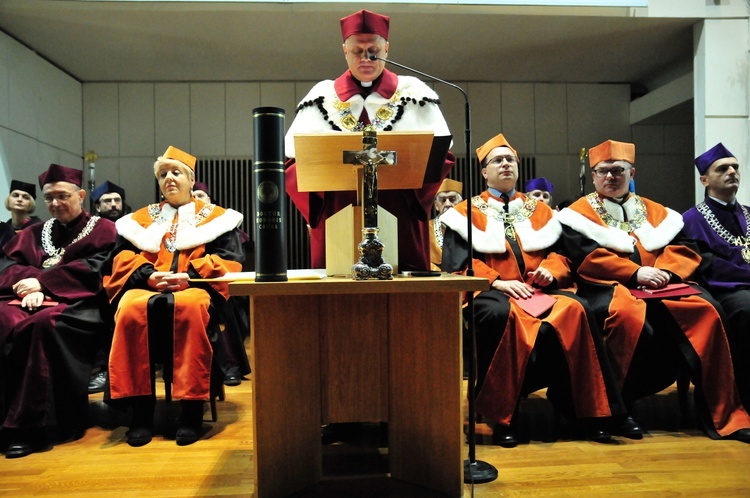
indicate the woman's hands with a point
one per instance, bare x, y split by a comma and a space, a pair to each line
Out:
166, 281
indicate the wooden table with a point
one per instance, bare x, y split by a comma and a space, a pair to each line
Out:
340, 350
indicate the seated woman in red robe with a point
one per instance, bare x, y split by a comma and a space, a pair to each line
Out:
160, 311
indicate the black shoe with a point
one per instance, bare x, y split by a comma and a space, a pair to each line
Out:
142, 426
598, 435
24, 444
503, 436
593, 429
628, 428
191, 422
232, 379
139, 436
98, 381
740, 435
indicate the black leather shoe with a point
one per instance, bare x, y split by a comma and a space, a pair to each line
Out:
98, 381
139, 436
740, 435
628, 428
187, 435
232, 379
598, 435
20, 448
503, 436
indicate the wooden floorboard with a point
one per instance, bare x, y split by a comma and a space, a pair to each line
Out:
670, 460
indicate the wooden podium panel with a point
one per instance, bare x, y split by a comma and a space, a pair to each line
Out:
341, 350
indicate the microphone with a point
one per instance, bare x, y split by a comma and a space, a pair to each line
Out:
475, 471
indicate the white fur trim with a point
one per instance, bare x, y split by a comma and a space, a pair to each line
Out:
656, 238
609, 237
414, 118
492, 241
149, 239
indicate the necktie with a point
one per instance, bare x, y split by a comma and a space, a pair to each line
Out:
506, 200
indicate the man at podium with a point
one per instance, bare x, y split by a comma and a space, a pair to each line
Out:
369, 97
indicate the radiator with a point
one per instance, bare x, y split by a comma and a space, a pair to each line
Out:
229, 181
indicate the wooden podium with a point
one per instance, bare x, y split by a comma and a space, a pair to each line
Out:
321, 168
342, 350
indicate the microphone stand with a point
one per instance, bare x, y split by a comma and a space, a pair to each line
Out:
475, 471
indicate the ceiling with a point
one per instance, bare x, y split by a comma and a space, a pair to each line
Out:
102, 41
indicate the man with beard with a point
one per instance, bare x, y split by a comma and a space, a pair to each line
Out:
109, 203
721, 227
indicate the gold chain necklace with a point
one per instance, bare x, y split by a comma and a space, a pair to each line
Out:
509, 219
722, 232
55, 254
382, 115
627, 226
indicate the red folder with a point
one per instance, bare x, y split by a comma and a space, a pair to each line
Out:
17, 302
537, 304
669, 290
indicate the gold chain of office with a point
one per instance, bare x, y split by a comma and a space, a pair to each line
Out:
628, 226
382, 116
732, 240
55, 254
154, 210
509, 219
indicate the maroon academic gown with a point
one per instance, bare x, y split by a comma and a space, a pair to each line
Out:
47, 354
412, 208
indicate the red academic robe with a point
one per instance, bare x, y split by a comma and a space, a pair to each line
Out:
208, 244
501, 322
607, 259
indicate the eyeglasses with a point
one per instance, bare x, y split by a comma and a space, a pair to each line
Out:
61, 197
616, 172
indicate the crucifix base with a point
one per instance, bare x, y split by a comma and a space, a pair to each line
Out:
371, 263
344, 233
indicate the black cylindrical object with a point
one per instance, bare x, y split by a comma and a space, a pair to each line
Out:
270, 208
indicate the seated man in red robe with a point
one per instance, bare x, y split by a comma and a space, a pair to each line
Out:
54, 317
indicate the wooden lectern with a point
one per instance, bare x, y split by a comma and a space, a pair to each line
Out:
321, 168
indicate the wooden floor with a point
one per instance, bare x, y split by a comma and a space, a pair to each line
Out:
668, 461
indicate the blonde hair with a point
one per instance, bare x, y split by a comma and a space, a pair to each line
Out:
32, 204
165, 160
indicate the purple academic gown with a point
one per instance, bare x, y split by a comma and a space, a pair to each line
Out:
47, 354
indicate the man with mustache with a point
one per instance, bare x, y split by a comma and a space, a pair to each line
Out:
619, 241
721, 227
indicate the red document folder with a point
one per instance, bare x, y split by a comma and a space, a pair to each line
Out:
670, 290
537, 304
17, 302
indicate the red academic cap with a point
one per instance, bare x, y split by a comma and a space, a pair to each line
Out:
57, 173
365, 21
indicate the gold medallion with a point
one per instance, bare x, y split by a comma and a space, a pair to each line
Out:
52, 261
510, 232
746, 254
384, 113
349, 122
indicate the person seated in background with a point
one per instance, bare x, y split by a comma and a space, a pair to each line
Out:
448, 195
519, 352
109, 203
619, 241
540, 189
230, 344
161, 315
21, 202
54, 314
369, 97
721, 227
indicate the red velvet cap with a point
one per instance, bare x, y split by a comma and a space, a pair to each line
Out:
365, 21
57, 173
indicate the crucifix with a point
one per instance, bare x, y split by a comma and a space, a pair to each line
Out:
371, 263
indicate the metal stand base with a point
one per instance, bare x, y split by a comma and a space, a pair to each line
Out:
479, 472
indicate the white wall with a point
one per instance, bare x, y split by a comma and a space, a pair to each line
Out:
40, 119
129, 124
